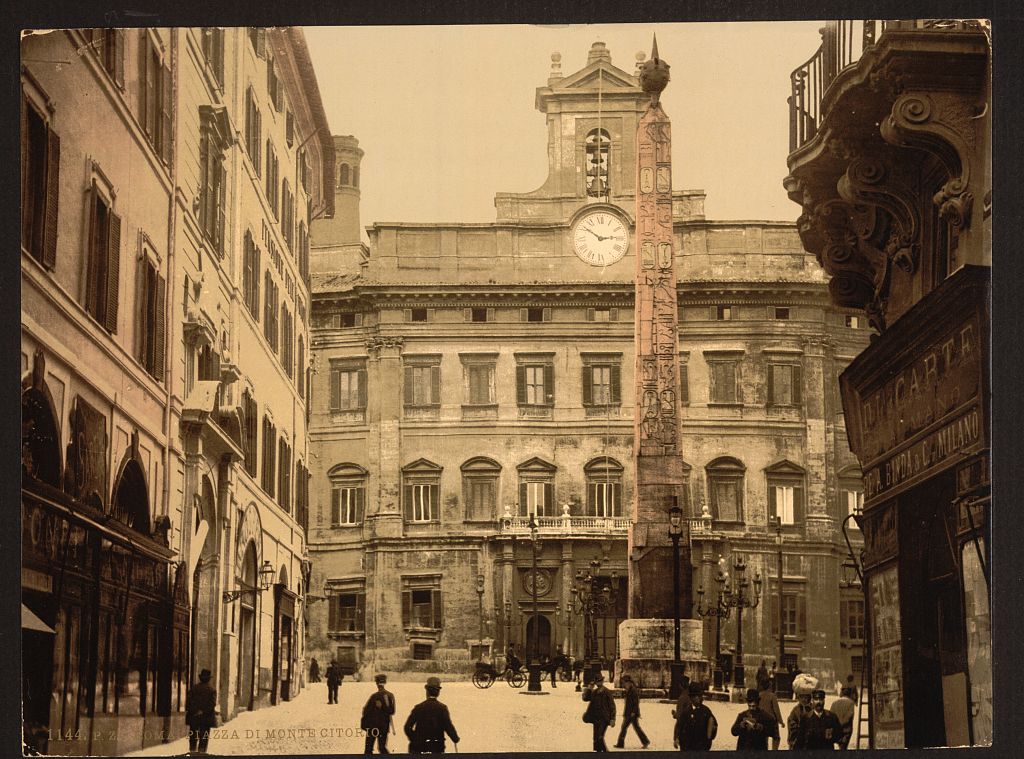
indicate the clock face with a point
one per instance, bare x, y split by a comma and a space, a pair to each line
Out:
600, 238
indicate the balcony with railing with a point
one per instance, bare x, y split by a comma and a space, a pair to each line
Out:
565, 524
843, 44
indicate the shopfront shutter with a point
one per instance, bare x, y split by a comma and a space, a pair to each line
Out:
335, 506
616, 384
435, 601
113, 271
588, 385
159, 329
521, 385
52, 194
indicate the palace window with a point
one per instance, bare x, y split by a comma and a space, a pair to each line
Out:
723, 371
480, 488
40, 172
269, 451
349, 320
422, 381
723, 313
284, 474
271, 182
784, 384
348, 494
535, 314
417, 314
602, 379
725, 489
598, 162
213, 51
300, 369
249, 416
479, 315
150, 327
851, 618
347, 611
421, 491
253, 130
535, 380
604, 487
287, 341
108, 45
794, 612
786, 492
104, 256
348, 386
421, 602
537, 488
478, 374
602, 314
251, 276
780, 312
215, 138
155, 94
270, 319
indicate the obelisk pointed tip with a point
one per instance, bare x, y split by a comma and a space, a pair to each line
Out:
654, 47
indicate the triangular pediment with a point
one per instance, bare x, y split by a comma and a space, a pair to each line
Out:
611, 77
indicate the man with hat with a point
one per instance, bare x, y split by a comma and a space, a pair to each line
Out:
754, 727
377, 713
820, 727
631, 714
696, 727
794, 723
333, 681
200, 713
600, 710
428, 722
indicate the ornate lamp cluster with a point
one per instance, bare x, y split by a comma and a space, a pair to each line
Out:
592, 599
732, 595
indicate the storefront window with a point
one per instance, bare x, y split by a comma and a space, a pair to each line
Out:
979, 642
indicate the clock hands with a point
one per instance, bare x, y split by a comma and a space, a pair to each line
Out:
601, 238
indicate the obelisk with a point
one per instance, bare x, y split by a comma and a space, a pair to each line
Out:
646, 638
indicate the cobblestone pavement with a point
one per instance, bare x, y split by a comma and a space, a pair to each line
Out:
498, 719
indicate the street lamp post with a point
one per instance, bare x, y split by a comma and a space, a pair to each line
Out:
719, 610
739, 599
533, 686
675, 531
780, 666
480, 599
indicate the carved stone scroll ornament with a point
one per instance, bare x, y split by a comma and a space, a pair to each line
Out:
943, 124
375, 344
887, 184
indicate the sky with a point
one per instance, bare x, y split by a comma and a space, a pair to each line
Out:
446, 115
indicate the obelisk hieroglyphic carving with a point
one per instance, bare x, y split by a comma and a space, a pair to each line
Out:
656, 441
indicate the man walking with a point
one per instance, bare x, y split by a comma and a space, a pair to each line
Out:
821, 729
769, 704
600, 711
377, 714
844, 707
428, 723
631, 714
794, 723
333, 681
200, 713
696, 727
762, 675
753, 727
314, 671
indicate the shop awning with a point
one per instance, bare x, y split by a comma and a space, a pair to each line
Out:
29, 621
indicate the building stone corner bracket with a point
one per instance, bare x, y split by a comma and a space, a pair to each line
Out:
376, 345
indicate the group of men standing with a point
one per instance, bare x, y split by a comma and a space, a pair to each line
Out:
810, 725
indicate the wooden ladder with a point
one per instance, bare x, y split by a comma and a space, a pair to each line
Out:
863, 711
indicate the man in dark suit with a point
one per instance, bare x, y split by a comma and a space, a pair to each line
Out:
377, 713
754, 726
696, 727
333, 681
200, 713
428, 723
601, 710
820, 727
631, 714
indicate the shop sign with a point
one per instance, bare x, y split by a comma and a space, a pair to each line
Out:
935, 450
944, 374
880, 535
34, 580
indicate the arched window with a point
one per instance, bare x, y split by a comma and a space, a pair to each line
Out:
725, 489
355, 176
598, 162
537, 488
131, 499
786, 492
480, 488
343, 174
604, 487
40, 434
348, 494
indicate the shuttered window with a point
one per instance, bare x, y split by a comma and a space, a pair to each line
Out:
253, 130
251, 276
300, 369
422, 607
602, 383
347, 504
786, 501
104, 245
480, 380
212, 177
794, 613
725, 489
422, 502
723, 381
535, 384
784, 385
154, 95
347, 387
213, 51
40, 174
851, 618
271, 183
151, 319
270, 310
269, 453
249, 433
258, 38
346, 612
108, 46
537, 497
284, 475
423, 385
684, 384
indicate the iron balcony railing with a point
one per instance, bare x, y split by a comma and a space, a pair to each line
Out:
842, 45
